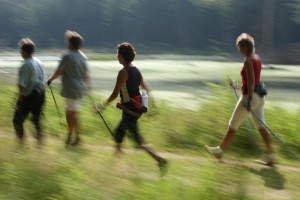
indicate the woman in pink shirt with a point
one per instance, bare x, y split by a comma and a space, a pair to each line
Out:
253, 98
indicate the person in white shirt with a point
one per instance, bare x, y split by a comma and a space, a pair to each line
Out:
74, 72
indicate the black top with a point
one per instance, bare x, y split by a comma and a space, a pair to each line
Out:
132, 84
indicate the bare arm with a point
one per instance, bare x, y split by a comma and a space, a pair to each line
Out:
121, 81
250, 77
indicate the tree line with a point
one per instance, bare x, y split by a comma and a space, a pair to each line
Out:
183, 26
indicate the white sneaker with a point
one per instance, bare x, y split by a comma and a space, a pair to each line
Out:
269, 159
216, 151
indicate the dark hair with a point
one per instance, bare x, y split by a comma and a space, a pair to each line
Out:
245, 40
127, 51
27, 45
74, 39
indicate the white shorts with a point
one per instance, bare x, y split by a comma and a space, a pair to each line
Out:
72, 104
240, 112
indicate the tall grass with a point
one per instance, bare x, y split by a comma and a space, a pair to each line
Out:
87, 172
168, 128
90, 173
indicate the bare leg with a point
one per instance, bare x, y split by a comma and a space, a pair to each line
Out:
76, 125
70, 120
151, 152
267, 158
162, 163
266, 138
73, 125
227, 138
131, 124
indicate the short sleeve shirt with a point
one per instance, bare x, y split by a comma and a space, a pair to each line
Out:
74, 69
31, 75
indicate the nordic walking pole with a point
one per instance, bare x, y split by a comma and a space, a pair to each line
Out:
276, 136
57, 110
234, 87
236, 95
102, 117
247, 121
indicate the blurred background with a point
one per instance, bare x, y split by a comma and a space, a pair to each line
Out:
203, 27
186, 52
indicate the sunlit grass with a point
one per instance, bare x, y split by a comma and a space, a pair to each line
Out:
89, 172
165, 127
92, 171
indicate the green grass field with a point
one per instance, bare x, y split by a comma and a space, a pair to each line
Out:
92, 172
192, 108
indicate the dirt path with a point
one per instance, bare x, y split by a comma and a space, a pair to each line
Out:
165, 154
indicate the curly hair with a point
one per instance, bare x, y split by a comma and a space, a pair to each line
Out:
27, 45
74, 39
245, 40
127, 51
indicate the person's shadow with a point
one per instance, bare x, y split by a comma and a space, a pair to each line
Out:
273, 179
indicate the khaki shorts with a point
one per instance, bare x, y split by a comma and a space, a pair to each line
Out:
73, 104
240, 112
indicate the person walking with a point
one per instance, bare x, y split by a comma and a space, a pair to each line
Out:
75, 82
31, 95
253, 98
128, 84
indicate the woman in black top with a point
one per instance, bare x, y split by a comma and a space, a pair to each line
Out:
128, 82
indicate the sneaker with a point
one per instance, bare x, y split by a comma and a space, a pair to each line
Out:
68, 141
268, 159
38, 137
76, 142
216, 151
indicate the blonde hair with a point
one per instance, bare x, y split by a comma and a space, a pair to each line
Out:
245, 40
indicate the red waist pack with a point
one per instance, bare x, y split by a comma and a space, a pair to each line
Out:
136, 101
